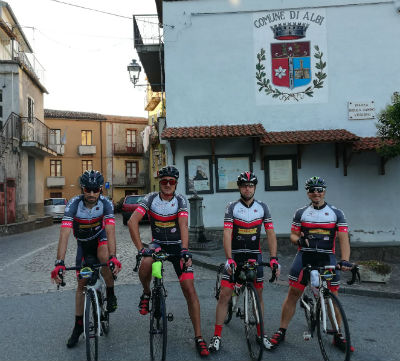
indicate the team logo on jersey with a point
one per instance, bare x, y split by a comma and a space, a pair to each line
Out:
164, 224
173, 230
247, 231
319, 231
253, 238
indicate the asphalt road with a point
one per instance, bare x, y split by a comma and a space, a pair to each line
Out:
36, 319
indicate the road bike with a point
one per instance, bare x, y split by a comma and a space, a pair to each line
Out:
320, 306
251, 313
158, 309
96, 321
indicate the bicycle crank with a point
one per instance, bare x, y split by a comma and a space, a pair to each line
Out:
170, 317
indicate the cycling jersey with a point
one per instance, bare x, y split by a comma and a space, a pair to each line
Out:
88, 223
245, 222
319, 225
164, 216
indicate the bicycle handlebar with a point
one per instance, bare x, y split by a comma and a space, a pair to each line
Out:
264, 264
354, 271
158, 256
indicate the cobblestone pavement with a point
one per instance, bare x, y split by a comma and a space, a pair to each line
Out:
29, 273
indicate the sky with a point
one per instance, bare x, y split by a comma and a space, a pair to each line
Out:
85, 53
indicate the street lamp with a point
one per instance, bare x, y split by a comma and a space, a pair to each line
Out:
134, 70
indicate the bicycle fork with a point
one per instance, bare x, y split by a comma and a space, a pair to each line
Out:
96, 300
332, 314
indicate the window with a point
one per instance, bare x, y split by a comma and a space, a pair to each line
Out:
55, 195
131, 137
86, 137
131, 170
55, 136
87, 165
31, 109
55, 168
280, 173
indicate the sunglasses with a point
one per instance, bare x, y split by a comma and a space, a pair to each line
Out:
316, 189
164, 182
88, 190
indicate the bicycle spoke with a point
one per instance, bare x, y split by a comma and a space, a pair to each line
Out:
254, 328
91, 327
158, 327
335, 320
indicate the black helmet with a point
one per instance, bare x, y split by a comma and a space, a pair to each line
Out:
91, 179
247, 177
168, 171
315, 182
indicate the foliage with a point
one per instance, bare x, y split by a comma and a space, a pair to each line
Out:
376, 266
389, 128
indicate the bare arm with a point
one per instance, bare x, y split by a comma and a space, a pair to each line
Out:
63, 242
183, 226
112, 243
344, 246
294, 237
272, 242
133, 225
228, 242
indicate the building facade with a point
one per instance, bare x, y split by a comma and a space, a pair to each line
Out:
289, 91
24, 137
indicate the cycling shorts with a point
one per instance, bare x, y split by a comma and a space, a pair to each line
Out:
88, 249
175, 250
316, 259
258, 282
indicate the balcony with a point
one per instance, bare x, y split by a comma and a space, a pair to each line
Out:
55, 182
128, 149
36, 137
59, 148
129, 181
148, 41
86, 149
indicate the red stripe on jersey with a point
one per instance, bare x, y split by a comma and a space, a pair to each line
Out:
66, 224
87, 221
228, 225
183, 214
108, 221
268, 226
163, 218
295, 228
318, 225
141, 210
247, 224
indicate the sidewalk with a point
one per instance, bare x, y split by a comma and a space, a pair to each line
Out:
213, 258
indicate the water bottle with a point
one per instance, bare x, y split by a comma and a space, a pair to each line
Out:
314, 278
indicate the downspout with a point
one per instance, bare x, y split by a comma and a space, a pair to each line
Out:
112, 159
101, 147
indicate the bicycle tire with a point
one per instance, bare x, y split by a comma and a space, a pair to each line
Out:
253, 323
309, 298
158, 326
91, 327
326, 339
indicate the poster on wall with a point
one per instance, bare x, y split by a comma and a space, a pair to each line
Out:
198, 174
290, 56
227, 170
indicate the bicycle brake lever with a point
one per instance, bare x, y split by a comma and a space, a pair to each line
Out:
273, 270
355, 273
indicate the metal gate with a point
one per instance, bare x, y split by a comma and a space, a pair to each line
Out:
2, 219
11, 208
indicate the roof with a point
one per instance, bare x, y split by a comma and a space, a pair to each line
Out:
369, 143
308, 137
67, 114
214, 131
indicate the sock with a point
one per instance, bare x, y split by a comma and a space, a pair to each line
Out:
78, 321
218, 330
110, 291
283, 330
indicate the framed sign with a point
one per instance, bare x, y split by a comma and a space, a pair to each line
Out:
280, 172
227, 169
198, 175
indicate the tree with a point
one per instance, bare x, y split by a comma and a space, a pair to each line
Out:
389, 129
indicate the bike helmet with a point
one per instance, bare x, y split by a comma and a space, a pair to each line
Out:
168, 171
315, 182
92, 179
247, 177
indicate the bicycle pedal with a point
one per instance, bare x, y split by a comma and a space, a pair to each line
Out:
238, 313
170, 317
306, 336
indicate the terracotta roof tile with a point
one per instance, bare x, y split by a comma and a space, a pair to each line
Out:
308, 137
215, 131
67, 114
369, 143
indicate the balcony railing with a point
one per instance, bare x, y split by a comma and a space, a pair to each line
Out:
131, 181
128, 149
147, 30
33, 130
10, 131
86, 149
56, 181
33, 65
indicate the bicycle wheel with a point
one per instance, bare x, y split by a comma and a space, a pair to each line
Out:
336, 323
253, 323
309, 299
158, 326
91, 327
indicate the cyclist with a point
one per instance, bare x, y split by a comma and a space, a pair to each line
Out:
314, 230
91, 216
242, 228
168, 214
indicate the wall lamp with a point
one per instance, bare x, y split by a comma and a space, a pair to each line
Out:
134, 70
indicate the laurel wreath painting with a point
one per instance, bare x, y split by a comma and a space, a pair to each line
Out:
265, 83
